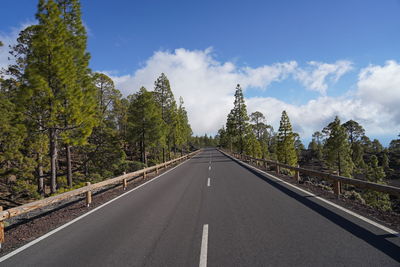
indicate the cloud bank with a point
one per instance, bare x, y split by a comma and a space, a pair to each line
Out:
207, 87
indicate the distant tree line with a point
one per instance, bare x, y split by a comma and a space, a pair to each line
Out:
341, 148
62, 124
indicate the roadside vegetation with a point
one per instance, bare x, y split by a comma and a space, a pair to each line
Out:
340, 148
63, 125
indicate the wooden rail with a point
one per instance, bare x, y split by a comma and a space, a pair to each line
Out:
86, 190
336, 179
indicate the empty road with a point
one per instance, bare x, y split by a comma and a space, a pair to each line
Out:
213, 211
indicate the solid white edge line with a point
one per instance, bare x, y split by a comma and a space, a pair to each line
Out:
18, 250
204, 247
378, 225
208, 182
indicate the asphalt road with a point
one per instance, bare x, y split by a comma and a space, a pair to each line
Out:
238, 217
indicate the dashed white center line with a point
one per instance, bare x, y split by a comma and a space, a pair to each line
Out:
209, 168
204, 247
208, 181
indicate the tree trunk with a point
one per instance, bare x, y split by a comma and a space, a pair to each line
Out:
163, 154
144, 154
53, 160
69, 165
39, 171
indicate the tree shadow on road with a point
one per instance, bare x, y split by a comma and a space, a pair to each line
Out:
377, 241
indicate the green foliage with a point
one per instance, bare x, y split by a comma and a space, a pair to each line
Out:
183, 129
51, 100
203, 141
262, 131
166, 101
15, 148
286, 151
145, 122
337, 149
376, 174
353, 195
25, 189
355, 132
252, 146
315, 146
237, 125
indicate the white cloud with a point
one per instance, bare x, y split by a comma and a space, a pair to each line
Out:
205, 84
375, 105
263, 76
207, 87
379, 86
9, 39
315, 78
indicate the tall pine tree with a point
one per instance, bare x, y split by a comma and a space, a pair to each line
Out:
238, 121
145, 122
286, 151
337, 148
84, 115
166, 101
62, 105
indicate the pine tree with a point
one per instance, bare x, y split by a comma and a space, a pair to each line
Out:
355, 132
166, 101
60, 105
36, 141
376, 174
252, 146
145, 121
257, 118
337, 148
261, 130
316, 145
184, 130
103, 153
84, 118
298, 145
286, 150
238, 121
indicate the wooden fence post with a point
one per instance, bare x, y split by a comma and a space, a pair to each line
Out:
125, 184
156, 170
1, 229
277, 168
266, 165
297, 175
144, 174
336, 188
88, 196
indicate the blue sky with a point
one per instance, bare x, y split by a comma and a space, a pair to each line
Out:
134, 40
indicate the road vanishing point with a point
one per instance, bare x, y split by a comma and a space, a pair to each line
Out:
213, 211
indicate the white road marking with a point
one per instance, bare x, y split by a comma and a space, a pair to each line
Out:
208, 182
9, 255
209, 168
380, 226
204, 247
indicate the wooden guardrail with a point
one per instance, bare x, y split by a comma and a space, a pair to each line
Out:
86, 190
336, 179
